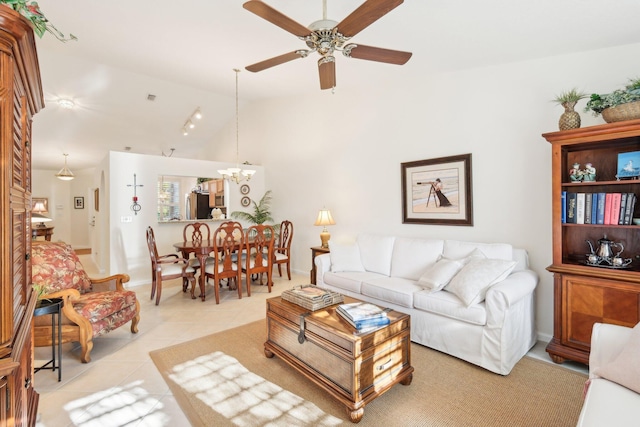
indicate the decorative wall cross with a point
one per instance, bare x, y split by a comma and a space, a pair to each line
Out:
135, 207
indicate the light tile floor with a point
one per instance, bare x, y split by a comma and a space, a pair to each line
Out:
121, 386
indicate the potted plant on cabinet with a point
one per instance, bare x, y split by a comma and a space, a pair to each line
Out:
39, 23
570, 119
619, 105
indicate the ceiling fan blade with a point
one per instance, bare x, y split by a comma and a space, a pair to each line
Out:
379, 54
272, 62
368, 12
327, 70
265, 11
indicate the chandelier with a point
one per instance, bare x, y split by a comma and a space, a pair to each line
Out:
65, 174
237, 174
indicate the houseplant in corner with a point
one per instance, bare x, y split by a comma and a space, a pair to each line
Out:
570, 119
261, 212
31, 11
619, 105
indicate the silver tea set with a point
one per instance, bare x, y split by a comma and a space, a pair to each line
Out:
604, 254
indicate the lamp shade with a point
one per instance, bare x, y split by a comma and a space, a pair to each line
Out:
324, 218
39, 208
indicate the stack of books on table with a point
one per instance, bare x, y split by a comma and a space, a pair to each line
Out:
364, 316
311, 297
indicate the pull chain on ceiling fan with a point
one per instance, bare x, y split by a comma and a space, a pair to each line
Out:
327, 36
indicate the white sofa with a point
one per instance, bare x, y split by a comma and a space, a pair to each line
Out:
494, 333
607, 403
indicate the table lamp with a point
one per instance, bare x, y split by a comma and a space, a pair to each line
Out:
36, 217
324, 219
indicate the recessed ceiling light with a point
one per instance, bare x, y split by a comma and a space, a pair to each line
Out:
66, 103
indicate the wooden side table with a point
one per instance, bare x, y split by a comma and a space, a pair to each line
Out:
42, 231
53, 307
315, 251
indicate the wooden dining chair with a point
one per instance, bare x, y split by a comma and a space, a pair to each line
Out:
165, 267
259, 253
196, 232
282, 251
227, 239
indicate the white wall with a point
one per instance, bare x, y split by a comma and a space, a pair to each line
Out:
127, 248
344, 150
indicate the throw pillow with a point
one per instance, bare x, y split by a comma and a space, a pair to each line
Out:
345, 258
625, 369
440, 274
476, 277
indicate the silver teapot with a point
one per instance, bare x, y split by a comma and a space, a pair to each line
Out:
606, 252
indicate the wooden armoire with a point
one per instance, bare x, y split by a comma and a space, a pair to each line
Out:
20, 98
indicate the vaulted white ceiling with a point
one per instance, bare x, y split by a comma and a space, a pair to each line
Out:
184, 52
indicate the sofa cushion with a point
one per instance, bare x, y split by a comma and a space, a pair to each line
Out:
57, 266
455, 249
411, 257
476, 277
395, 290
440, 274
449, 305
625, 368
375, 252
345, 257
349, 281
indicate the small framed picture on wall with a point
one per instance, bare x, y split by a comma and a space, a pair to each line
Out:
78, 202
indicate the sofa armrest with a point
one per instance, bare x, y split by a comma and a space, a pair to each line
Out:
607, 342
323, 264
509, 292
110, 283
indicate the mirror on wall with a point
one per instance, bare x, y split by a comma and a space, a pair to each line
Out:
184, 198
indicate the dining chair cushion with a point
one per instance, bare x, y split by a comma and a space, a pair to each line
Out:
208, 268
280, 256
170, 269
195, 262
252, 261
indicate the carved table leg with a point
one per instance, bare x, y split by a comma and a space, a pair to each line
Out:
355, 415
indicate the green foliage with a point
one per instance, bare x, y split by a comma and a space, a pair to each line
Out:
572, 95
40, 24
261, 211
631, 93
40, 290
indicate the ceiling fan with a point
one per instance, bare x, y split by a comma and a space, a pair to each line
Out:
327, 36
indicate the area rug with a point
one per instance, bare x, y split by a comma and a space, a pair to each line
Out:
225, 379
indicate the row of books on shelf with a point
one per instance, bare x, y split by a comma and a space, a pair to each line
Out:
364, 316
598, 208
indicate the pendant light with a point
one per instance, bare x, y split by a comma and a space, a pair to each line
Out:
237, 174
65, 174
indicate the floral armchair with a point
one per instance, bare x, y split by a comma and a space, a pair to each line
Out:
92, 307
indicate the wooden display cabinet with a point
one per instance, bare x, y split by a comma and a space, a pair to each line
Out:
586, 294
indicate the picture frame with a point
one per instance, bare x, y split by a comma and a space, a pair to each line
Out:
245, 201
78, 202
437, 191
96, 200
628, 165
244, 189
40, 205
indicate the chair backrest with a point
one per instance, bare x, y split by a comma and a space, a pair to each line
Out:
151, 244
227, 238
196, 232
286, 235
259, 246
56, 266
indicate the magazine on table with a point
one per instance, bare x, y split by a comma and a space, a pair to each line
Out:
311, 292
357, 311
366, 324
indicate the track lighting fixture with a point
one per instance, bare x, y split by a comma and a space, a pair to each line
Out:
189, 123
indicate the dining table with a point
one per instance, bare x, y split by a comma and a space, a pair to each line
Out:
201, 249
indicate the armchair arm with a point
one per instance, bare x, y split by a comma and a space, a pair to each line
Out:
109, 283
68, 296
607, 341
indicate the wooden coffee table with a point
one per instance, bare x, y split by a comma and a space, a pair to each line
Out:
353, 368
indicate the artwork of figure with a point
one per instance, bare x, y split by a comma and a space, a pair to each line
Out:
437, 186
589, 172
575, 174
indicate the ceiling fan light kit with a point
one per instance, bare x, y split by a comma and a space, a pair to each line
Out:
326, 36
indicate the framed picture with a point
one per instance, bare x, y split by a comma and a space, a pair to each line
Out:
78, 202
96, 200
245, 201
40, 205
437, 191
628, 165
244, 189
